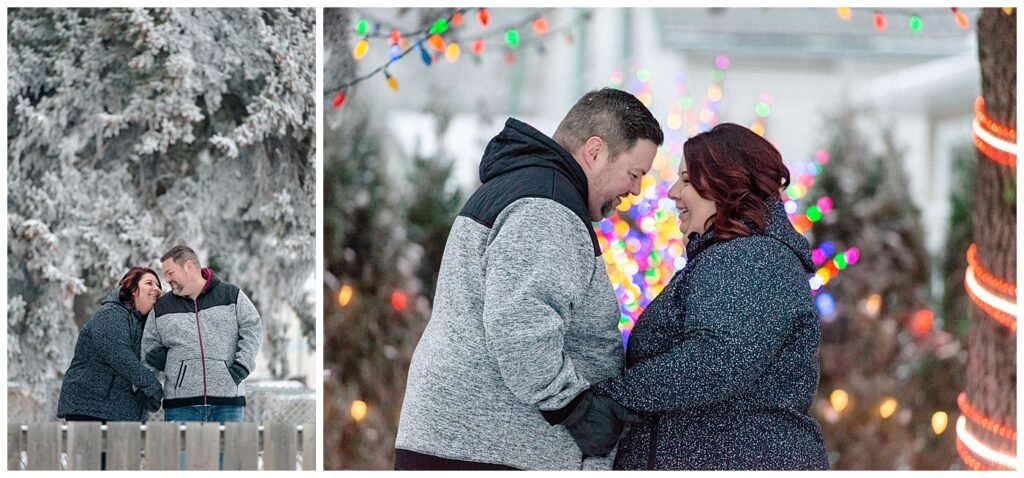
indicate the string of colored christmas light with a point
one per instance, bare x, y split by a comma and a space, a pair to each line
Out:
805, 174
980, 449
393, 58
815, 212
985, 277
985, 422
914, 18
997, 142
434, 38
456, 19
838, 263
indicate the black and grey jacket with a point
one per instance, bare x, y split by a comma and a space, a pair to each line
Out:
106, 369
524, 316
196, 342
724, 362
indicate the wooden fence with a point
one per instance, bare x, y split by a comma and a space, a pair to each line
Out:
160, 446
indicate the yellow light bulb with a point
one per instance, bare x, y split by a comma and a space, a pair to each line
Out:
839, 399
392, 83
887, 408
452, 52
873, 304
844, 13
940, 420
361, 48
345, 295
358, 410
1008, 10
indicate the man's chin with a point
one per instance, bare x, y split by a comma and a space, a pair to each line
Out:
608, 210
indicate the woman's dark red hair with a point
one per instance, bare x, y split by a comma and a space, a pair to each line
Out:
130, 283
740, 172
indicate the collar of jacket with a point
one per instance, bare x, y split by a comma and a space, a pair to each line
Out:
113, 297
778, 228
207, 274
520, 145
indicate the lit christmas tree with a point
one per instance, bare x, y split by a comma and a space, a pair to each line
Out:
642, 245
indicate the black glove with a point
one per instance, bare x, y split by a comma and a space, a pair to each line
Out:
238, 372
597, 422
150, 402
157, 358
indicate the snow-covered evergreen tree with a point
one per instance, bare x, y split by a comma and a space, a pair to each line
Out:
131, 130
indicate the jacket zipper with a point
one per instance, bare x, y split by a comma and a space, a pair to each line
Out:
652, 451
202, 354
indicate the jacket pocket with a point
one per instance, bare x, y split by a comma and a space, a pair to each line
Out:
196, 378
110, 386
218, 380
181, 374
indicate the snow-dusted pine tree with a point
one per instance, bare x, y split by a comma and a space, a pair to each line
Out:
132, 130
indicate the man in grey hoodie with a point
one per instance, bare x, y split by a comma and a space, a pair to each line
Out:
204, 335
525, 317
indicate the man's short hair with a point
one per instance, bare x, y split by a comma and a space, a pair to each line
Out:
617, 117
180, 254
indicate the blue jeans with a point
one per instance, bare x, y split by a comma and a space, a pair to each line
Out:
205, 413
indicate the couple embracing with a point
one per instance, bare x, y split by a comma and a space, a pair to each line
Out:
521, 365
204, 335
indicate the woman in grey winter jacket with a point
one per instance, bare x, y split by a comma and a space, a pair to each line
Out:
723, 364
107, 380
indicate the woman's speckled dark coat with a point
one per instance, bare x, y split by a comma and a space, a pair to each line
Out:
724, 362
107, 367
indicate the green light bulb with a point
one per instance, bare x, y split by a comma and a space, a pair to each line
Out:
814, 214
915, 24
361, 27
439, 27
512, 38
840, 262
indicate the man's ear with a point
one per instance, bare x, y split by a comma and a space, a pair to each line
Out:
593, 150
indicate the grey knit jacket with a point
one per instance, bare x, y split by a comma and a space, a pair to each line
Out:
106, 369
524, 317
198, 341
